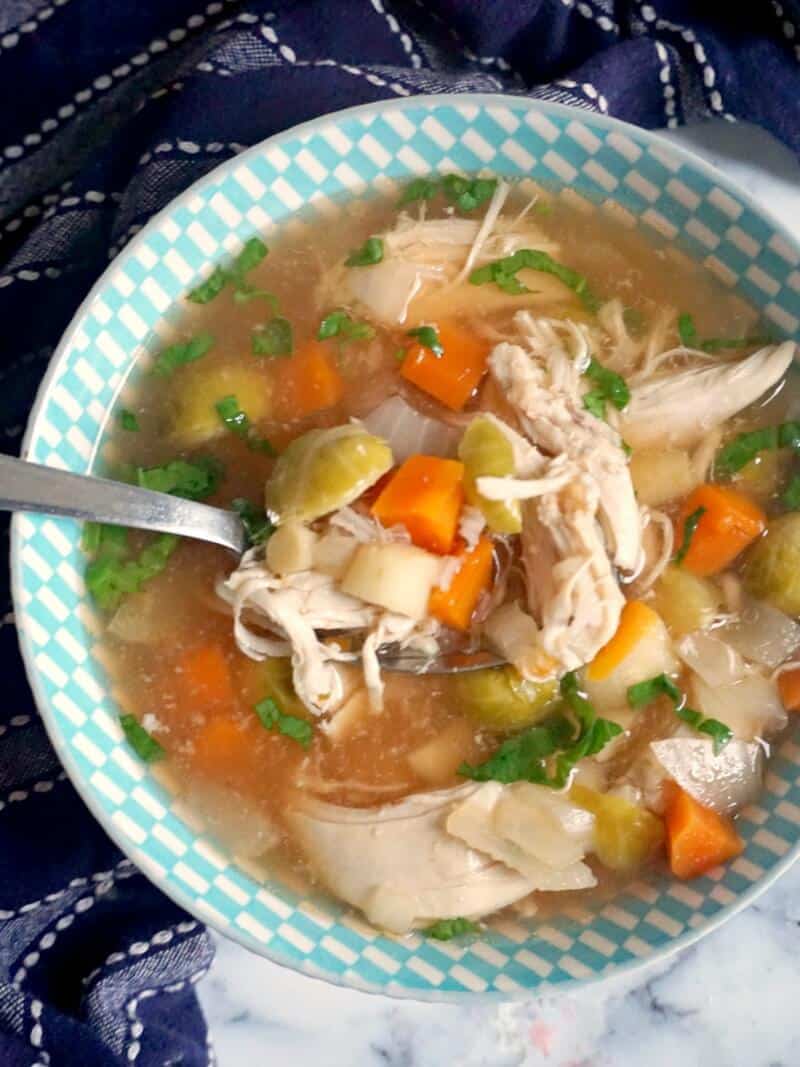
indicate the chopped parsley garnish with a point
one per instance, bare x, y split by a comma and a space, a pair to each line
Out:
143, 744
250, 256
646, 692
109, 576
790, 497
257, 525
503, 272
274, 338
739, 451
689, 529
194, 480
339, 324
428, 338
272, 718
447, 929
244, 294
169, 359
238, 422
466, 194
610, 387
128, 420
687, 331
370, 253
547, 753
419, 189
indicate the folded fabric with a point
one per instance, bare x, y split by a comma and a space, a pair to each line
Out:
113, 109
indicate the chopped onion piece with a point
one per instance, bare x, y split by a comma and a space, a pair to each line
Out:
725, 782
714, 661
408, 432
762, 634
751, 707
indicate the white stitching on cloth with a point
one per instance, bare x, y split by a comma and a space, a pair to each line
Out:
602, 20
135, 1026
708, 74
396, 28
16, 796
139, 948
36, 1033
466, 51
123, 869
788, 28
84, 903
590, 91
15, 720
665, 77
290, 56
104, 82
15, 34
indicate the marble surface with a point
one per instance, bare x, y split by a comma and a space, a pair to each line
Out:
729, 1001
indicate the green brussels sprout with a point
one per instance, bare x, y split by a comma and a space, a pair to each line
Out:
772, 565
486, 451
501, 699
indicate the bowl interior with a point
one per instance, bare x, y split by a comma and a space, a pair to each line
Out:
599, 165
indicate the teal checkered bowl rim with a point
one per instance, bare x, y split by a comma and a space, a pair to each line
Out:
596, 163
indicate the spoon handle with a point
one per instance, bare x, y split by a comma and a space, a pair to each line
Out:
31, 487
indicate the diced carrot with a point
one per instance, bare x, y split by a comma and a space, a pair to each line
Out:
452, 376
789, 689
203, 679
425, 495
728, 524
698, 839
636, 619
307, 382
220, 744
455, 606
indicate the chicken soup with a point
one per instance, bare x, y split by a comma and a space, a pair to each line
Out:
474, 422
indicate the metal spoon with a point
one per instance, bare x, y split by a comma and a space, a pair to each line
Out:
28, 486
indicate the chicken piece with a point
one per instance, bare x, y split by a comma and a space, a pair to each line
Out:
398, 863
678, 410
572, 590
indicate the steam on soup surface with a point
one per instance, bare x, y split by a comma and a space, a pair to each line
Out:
478, 419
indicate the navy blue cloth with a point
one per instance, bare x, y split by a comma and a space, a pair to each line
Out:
110, 110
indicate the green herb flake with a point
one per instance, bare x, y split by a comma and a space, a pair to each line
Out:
110, 576
244, 294
419, 189
503, 273
468, 193
274, 338
194, 481
272, 718
527, 756
447, 929
610, 387
687, 331
689, 530
790, 497
339, 324
428, 338
169, 359
743, 448
238, 422
400, 354
257, 525
128, 421
252, 253
370, 253
206, 291
645, 692
143, 744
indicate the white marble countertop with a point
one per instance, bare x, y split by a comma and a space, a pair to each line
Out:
729, 1001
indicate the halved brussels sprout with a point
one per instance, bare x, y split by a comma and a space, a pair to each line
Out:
626, 835
486, 451
501, 699
323, 471
772, 565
